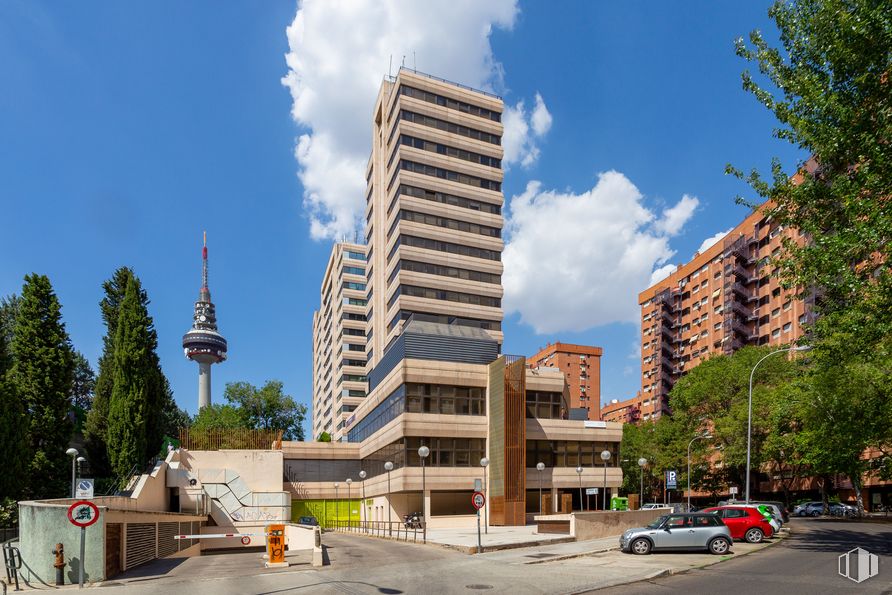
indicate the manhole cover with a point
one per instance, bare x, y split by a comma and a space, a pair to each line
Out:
540, 556
478, 587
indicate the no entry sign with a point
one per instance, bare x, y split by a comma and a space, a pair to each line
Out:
83, 513
478, 500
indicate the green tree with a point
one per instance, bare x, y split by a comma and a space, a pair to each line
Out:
829, 88
96, 429
41, 376
83, 382
159, 415
9, 305
713, 397
132, 402
269, 407
12, 432
324, 437
217, 417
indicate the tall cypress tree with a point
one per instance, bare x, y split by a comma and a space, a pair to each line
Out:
128, 406
41, 374
13, 438
96, 430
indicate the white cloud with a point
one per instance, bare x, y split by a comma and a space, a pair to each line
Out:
523, 130
675, 217
541, 117
708, 242
661, 273
339, 52
575, 261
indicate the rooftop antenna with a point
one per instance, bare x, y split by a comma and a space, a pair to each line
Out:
404, 60
390, 67
415, 61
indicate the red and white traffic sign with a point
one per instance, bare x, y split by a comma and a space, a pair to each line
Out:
246, 540
83, 513
478, 500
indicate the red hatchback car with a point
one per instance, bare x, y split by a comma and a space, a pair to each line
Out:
745, 522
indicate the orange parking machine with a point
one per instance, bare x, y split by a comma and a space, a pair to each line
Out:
275, 545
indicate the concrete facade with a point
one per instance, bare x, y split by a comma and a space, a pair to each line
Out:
433, 208
339, 341
581, 365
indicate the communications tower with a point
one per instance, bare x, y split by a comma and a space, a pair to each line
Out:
203, 344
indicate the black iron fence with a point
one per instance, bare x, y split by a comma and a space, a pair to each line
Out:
386, 529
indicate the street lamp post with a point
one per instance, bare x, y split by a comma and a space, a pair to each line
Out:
72, 452
579, 473
363, 515
605, 456
349, 505
423, 452
705, 436
388, 466
540, 467
80, 468
642, 463
484, 462
749, 411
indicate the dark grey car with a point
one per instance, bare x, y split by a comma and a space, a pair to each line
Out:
679, 532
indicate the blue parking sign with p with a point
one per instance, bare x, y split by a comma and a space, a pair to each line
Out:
671, 480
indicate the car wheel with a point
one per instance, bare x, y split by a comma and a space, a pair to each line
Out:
719, 546
754, 535
815, 513
640, 547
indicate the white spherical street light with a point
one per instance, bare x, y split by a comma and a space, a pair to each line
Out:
605, 456
423, 451
642, 462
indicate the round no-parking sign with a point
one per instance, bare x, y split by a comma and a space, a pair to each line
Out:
478, 500
83, 513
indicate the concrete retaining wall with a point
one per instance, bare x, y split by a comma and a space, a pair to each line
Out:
41, 527
595, 525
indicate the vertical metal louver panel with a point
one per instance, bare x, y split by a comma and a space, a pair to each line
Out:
167, 545
185, 529
140, 544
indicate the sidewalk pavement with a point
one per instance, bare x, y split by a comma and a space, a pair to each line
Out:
552, 552
498, 538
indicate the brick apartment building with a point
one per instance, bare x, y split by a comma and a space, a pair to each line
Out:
581, 365
721, 300
624, 412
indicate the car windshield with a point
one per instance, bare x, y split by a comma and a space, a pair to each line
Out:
657, 522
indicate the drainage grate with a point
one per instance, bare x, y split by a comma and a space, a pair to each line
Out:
478, 587
540, 556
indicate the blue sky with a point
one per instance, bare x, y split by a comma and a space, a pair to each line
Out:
129, 128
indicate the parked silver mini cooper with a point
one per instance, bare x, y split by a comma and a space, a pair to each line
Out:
678, 532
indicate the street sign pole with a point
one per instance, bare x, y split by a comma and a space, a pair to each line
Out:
478, 500
479, 542
80, 578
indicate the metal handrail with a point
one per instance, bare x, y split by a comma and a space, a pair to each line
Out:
398, 530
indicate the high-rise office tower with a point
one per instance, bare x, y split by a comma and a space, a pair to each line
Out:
203, 344
433, 208
339, 327
440, 393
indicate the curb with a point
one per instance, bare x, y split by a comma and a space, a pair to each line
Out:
576, 555
472, 549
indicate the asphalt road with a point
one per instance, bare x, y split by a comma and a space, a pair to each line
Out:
805, 563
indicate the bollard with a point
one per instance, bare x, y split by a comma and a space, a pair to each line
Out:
59, 564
